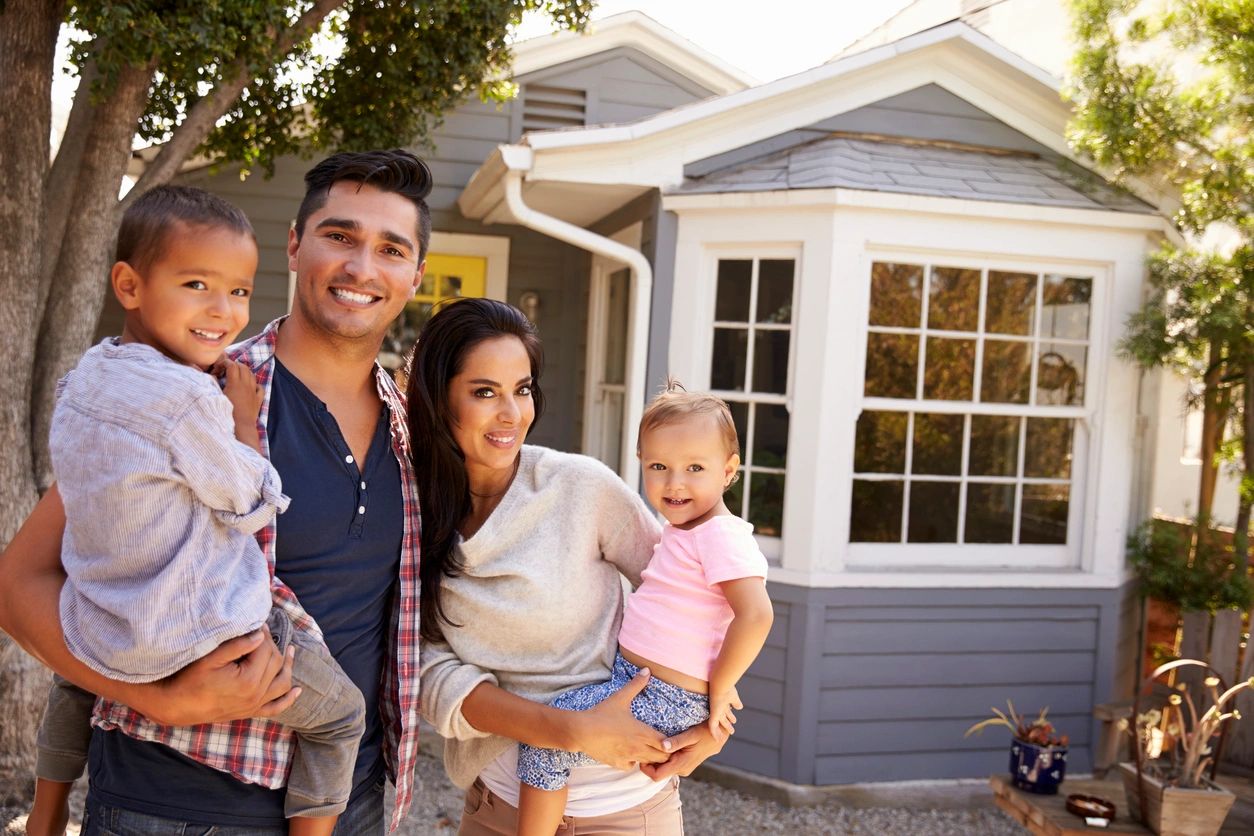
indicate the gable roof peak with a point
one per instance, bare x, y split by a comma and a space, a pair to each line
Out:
636, 30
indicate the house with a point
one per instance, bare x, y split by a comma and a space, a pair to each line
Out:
909, 290
1040, 31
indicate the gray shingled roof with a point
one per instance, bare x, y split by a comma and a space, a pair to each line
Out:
885, 166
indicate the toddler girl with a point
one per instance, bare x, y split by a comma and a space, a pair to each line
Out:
701, 614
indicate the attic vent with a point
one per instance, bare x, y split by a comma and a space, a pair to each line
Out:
546, 108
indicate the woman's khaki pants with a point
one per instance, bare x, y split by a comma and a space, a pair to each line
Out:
487, 814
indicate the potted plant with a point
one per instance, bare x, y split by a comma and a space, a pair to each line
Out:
1172, 747
1038, 754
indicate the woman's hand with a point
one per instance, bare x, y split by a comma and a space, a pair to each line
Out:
244, 677
691, 748
608, 733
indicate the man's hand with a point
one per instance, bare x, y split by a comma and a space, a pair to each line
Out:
245, 394
608, 733
244, 677
690, 749
722, 721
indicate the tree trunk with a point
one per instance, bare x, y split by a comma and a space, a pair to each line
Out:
79, 280
28, 36
1215, 406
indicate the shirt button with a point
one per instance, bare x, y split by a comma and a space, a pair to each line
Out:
361, 509
363, 486
348, 459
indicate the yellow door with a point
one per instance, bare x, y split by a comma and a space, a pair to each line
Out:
448, 277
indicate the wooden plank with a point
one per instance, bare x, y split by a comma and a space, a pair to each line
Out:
961, 634
896, 735
1225, 644
952, 701
963, 612
1047, 815
925, 669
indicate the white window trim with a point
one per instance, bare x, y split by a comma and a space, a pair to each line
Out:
703, 318
870, 557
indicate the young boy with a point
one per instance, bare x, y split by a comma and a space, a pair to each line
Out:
164, 487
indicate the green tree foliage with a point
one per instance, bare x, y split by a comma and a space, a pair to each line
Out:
1163, 93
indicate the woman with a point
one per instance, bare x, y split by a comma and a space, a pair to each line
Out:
523, 551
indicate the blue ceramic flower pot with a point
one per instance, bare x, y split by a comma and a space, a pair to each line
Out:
1038, 769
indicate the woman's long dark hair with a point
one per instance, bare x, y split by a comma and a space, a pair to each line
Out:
439, 464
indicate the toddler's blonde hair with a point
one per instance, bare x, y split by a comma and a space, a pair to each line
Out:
675, 403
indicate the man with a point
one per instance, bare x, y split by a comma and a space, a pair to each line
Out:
346, 552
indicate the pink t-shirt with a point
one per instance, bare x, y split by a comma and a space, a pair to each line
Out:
678, 616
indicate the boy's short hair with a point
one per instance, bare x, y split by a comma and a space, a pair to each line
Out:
147, 224
675, 403
396, 171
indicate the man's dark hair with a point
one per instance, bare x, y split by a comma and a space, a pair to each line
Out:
391, 171
148, 223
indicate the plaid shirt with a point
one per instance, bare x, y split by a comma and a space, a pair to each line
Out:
259, 751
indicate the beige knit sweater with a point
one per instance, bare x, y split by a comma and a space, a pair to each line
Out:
541, 599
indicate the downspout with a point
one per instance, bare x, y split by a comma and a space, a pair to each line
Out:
638, 306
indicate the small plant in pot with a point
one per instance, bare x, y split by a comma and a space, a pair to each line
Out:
1173, 747
1038, 754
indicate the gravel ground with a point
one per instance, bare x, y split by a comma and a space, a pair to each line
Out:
709, 810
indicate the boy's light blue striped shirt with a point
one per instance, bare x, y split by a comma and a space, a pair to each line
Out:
161, 505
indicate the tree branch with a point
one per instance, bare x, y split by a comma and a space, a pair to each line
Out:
203, 115
77, 294
63, 180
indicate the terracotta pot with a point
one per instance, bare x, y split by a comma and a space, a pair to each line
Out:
1171, 811
1038, 769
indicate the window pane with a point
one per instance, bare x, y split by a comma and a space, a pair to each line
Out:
880, 445
740, 417
892, 362
994, 446
937, 444
770, 435
933, 512
766, 503
896, 294
770, 361
1043, 516
1011, 300
451, 286
875, 515
732, 302
990, 513
727, 366
1060, 374
734, 497
427, 286
1047, 454
1066, 307
953, 299
1006, 374
949, 370
775, 290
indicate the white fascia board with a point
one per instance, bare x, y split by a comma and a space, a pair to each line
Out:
926, 577
825, 199
639, 31
821, 74
657, 158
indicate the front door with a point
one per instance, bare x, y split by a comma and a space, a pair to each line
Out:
607, 363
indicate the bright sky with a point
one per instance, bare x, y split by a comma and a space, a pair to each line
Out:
768, 40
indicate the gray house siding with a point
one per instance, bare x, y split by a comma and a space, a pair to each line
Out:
619, 84
879, 684
928, 112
